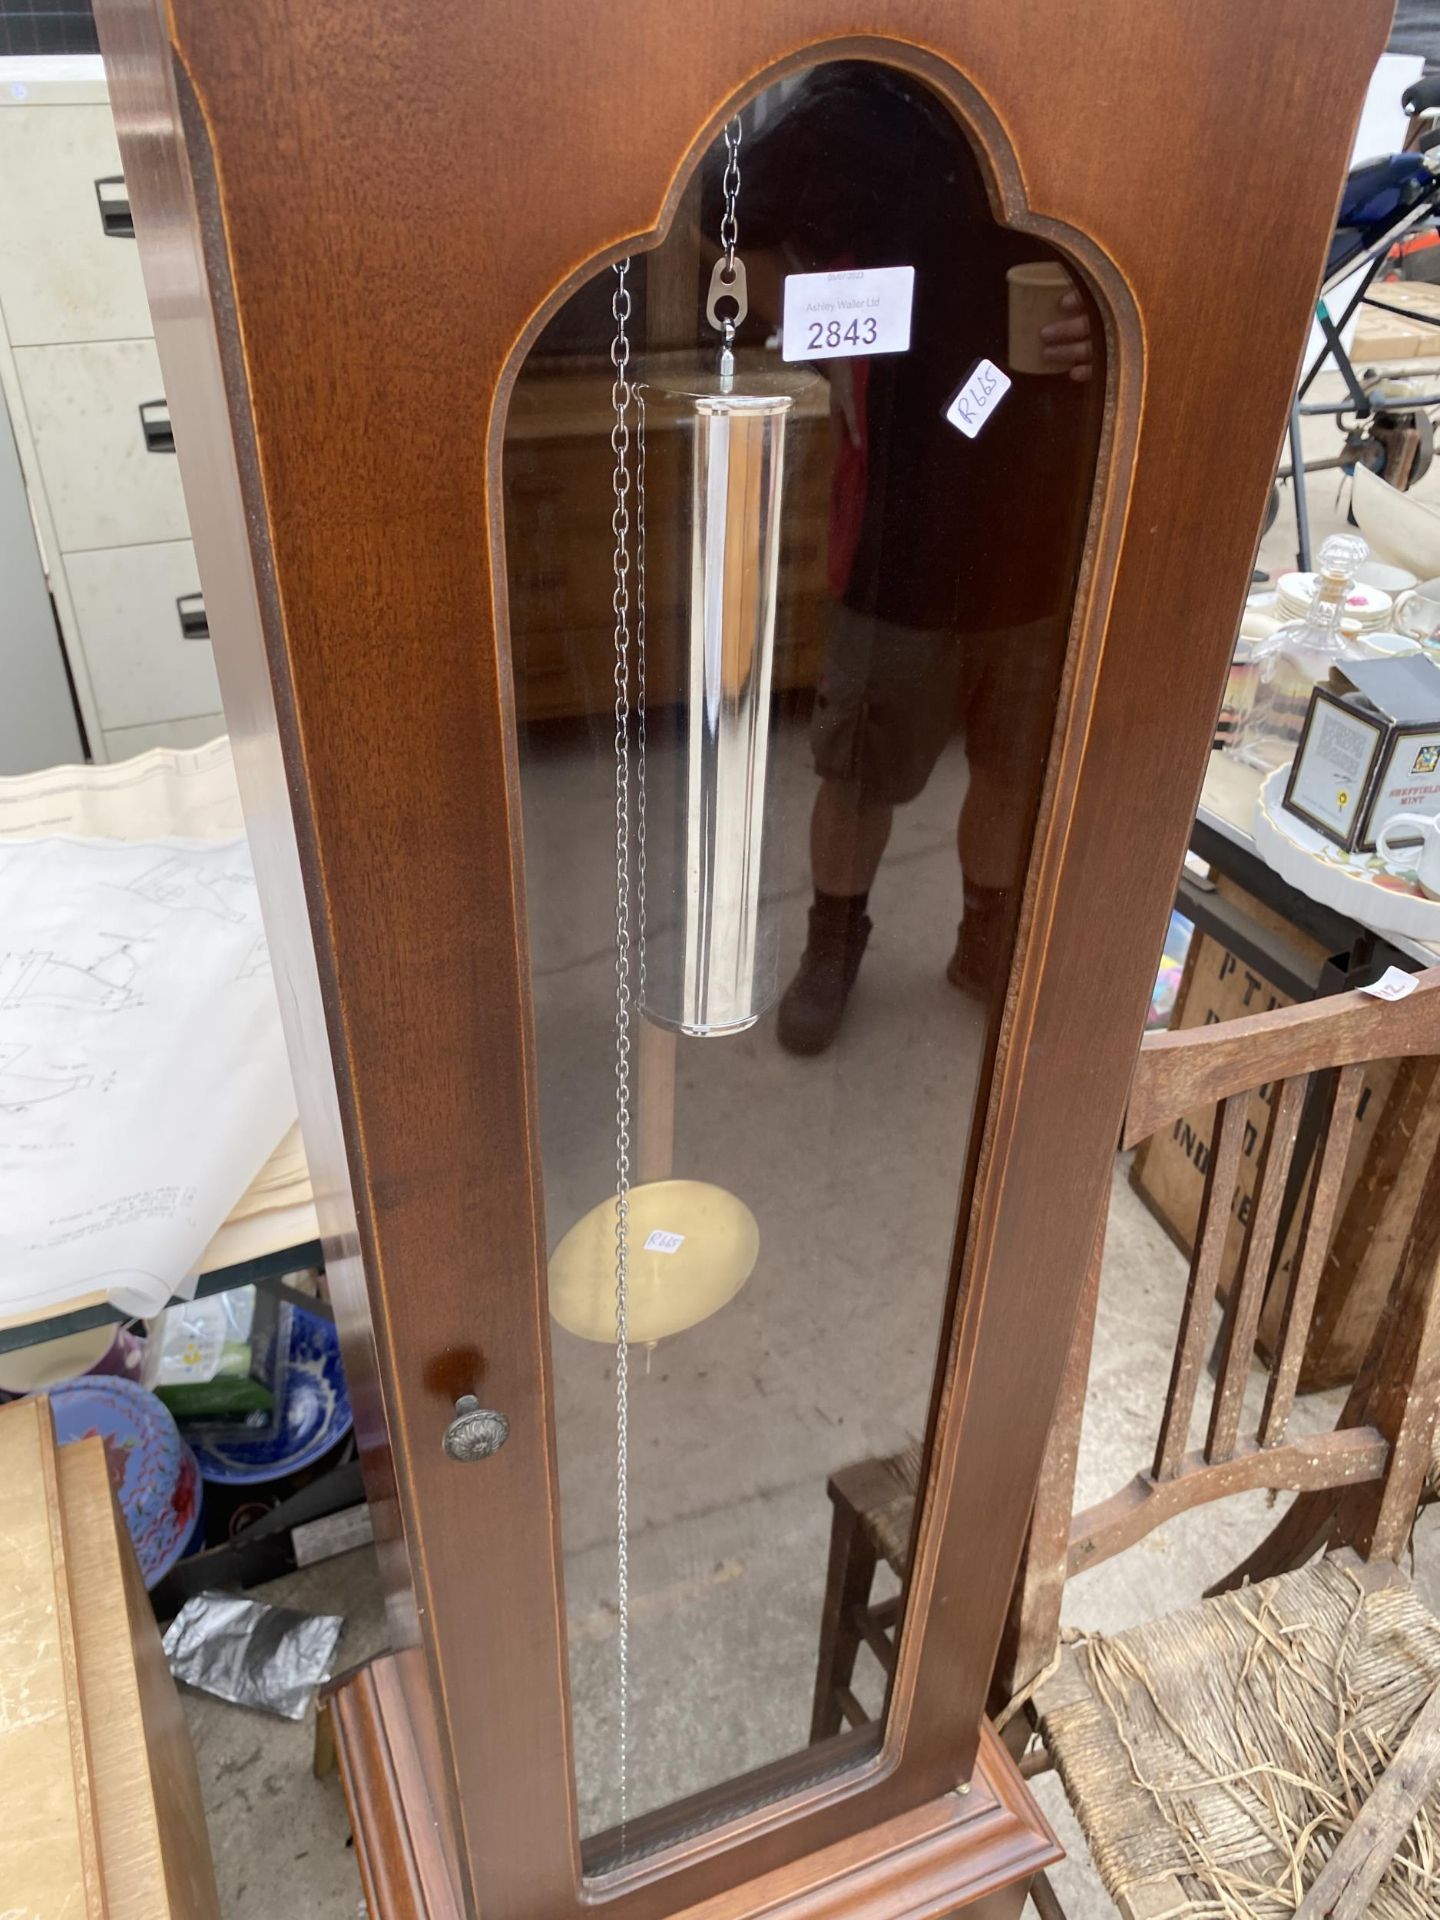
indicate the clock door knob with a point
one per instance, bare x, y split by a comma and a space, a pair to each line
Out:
476, 1432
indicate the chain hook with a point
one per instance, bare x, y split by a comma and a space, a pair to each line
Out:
727, 277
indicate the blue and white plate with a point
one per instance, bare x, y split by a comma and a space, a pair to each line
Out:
314, 1410
151, 1468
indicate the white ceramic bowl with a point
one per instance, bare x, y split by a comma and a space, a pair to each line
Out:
1400, 528
1391, 580
1387, 646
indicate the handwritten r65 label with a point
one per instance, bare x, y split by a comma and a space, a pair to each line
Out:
984, 387
830, 316
659, 1241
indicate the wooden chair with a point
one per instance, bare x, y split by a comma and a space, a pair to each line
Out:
1221, 1751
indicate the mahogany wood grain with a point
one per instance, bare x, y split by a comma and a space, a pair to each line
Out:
386, 216
1033, 1626
1320, 1203
168, 179
407, 1871
976, 1846
1188, 1068
1221, 1172
1247, 1294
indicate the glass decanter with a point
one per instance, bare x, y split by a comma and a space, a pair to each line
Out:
1295, 658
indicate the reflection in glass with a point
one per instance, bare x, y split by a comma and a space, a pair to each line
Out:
796, 1181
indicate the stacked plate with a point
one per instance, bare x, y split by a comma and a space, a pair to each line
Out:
1367, 609
157, 1472
311, 1416
153, 1472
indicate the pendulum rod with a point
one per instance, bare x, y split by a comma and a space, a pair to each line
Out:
620, 524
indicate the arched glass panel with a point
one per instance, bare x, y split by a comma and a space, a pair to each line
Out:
772, 902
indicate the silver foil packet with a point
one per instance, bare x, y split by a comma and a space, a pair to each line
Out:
254, 1655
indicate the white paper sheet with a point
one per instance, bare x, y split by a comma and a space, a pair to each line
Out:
165, 793
168, 792
143, 1076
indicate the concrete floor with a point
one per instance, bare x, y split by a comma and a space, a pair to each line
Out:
849, 1164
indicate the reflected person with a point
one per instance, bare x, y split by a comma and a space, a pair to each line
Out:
951, 561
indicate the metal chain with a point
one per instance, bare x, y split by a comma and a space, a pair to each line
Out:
640, 690
727, 279
730, 187
620, 395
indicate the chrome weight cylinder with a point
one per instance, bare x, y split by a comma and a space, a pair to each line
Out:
712, 961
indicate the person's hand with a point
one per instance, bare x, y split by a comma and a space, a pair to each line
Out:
1068, 344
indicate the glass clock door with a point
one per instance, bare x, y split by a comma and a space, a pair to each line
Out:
792, 551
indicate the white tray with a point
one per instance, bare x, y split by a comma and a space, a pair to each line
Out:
1353, 884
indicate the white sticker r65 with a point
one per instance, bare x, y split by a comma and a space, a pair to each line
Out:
981, 391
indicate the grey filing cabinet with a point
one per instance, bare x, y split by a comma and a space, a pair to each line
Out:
38, 723
82, 382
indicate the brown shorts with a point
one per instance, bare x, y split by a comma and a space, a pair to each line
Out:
887, 703
892, 697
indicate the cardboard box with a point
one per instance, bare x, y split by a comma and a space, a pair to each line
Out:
1370, 749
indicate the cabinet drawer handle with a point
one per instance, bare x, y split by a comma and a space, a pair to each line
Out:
476, 1432
155, 425
114, 198
193, 622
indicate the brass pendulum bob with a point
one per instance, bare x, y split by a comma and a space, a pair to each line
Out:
692, 1247
692, 1244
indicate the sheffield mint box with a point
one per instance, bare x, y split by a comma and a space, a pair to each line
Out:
1370, 749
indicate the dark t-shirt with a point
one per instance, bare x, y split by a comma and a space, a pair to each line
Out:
862, 166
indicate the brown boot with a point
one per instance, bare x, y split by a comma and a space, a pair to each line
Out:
813, 1004
982, 951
